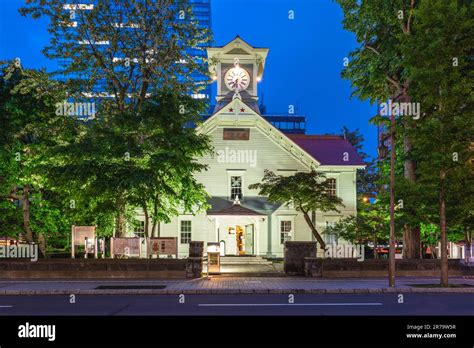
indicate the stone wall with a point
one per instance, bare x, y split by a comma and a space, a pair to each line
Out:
295, 254
334, 268
194, 266
93, 268
196, 249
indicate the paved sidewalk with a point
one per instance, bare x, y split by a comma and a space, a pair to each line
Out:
228, 285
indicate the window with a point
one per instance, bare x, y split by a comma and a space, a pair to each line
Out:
236, 133
235, 187
332, 187
285, 231
139, 230
329, 235
185, 231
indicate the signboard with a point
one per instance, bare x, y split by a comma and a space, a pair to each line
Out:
81, 232
83, 236
162, 246
125, 246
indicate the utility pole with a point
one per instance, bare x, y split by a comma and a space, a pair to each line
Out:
382, 150
391, 255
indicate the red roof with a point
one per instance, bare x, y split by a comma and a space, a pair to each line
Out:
328, 149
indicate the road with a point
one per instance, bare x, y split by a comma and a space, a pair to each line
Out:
268, 304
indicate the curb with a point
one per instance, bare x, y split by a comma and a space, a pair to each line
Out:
234, 291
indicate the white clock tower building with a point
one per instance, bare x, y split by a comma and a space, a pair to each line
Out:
246, 144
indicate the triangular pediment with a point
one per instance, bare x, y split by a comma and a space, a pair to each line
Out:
237, 114
238, 51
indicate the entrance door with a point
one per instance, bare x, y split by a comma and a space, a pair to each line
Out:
239, 235
249, 235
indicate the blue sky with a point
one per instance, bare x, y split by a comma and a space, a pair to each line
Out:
302, 69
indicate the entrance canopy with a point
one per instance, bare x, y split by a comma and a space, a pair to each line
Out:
236, 210
250, 206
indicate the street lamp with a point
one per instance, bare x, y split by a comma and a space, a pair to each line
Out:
383, 152
391, 259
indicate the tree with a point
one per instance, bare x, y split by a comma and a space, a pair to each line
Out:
305, 191
377, 72
29, 124
368, 176
134, 52
442, 74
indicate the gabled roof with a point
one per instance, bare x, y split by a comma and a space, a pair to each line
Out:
236, 210
328, 149
246, 98
251, 206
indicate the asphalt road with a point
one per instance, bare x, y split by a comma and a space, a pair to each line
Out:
304, 304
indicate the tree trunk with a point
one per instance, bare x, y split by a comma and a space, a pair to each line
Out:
412, 234
120, 220
442, 227
147, 222
314, 231
155, 220
375, 244
41, 245
468, 245
412, 242
25, 203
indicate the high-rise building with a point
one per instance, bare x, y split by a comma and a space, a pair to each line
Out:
202, 13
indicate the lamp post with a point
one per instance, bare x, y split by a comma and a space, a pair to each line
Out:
382, 151
391, 255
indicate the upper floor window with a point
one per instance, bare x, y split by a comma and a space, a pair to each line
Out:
235, 187
332, 187
236, 133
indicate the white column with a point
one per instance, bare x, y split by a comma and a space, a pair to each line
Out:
257, 236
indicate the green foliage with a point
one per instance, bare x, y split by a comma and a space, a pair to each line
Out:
305, 191
147, 45
29, 126
371, 224
425, 53
139, 151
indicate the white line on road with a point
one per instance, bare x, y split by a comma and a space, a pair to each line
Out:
6, 306
286, 304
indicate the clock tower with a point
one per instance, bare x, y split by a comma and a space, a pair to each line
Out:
237, 67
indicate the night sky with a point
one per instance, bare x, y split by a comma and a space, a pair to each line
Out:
302, 69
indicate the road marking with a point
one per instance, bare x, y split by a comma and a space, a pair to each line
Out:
286, 304
6, 306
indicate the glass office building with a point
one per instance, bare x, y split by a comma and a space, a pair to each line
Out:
202, 13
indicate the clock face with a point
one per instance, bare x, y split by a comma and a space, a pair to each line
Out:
237, 78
